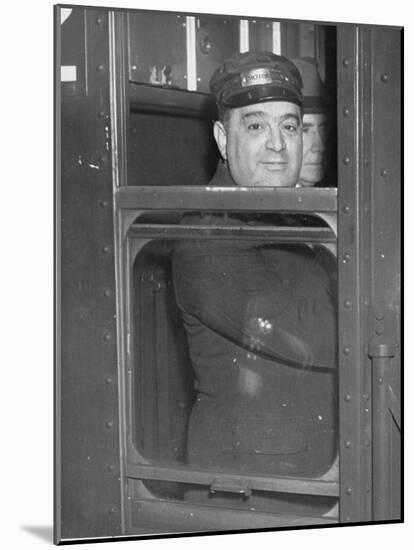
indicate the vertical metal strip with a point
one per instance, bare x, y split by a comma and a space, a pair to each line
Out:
381, 419
118, 114
244, 36
386, 270
276, 38
90, 443
366, 137
352, 445
191, 53
381, 456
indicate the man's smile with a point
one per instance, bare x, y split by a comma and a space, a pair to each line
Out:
274, 166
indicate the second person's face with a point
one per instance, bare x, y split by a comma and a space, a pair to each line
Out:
262, 144
314, 149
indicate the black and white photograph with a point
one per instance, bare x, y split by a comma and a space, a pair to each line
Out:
225, 276
228, 220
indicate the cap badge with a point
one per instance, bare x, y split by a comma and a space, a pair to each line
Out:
256, 77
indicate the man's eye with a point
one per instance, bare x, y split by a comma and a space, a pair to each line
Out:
291, 128
254, 126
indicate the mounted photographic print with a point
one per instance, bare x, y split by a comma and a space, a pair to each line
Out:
228, 346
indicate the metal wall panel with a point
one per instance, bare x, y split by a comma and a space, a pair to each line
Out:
87, 442
386, 269
369, 169
354, 424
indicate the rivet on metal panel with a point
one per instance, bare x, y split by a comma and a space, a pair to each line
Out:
106, 249
348, 491
347, 304
110, 424
110, 467
380, 380
102, 159
109, 380
100, 68
107, 336
366, 396
99, 20
384, 77
347, 444
300, 199
198, 79
134, 68
107, 292
112, 510
345, 62
346, 160
367, 442
345, 111
347, 397
102, 113
346, 209
346, 257
379, 330
103, 204
346, 351
384, 173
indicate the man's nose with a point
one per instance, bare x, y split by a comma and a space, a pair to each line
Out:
275, 140
318, 142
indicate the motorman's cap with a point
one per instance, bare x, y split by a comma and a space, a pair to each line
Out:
254, 77
314, 95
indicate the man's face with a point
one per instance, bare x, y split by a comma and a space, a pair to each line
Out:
314, 147
262, 144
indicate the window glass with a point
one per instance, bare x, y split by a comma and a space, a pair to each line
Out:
235, 366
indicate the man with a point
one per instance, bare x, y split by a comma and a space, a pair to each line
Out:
313, 167
259, 317
315, 130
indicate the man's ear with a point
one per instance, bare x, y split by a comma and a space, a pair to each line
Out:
220, 135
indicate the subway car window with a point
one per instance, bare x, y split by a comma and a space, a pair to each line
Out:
220, 380
236, 326
234, 366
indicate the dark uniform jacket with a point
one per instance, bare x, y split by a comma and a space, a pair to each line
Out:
261, 327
